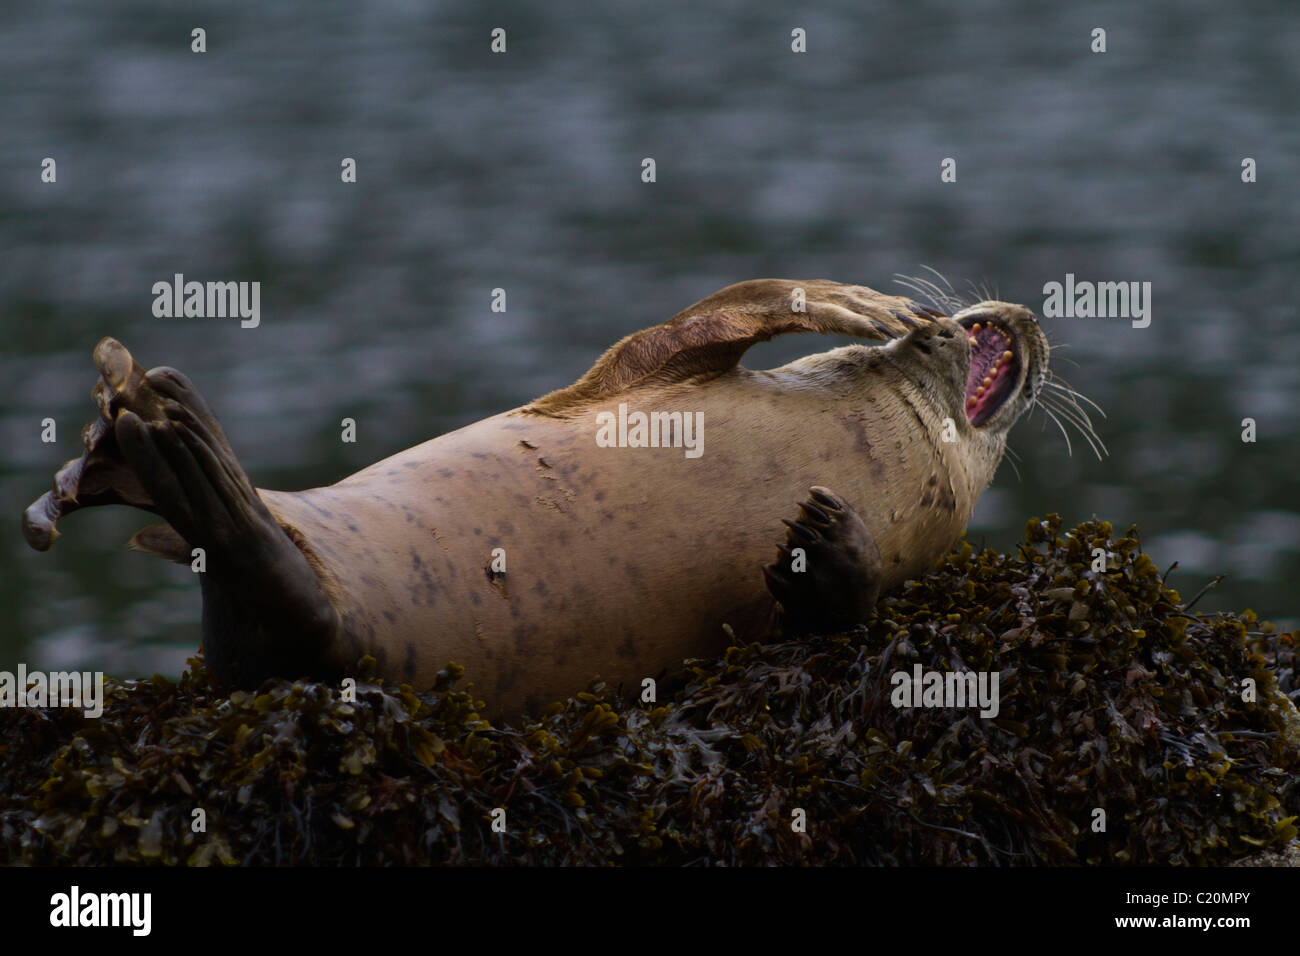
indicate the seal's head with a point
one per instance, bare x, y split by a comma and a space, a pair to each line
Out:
968, 378
983, 367
1007, 363
1012, 384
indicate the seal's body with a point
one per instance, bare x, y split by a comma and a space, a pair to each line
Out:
618, 561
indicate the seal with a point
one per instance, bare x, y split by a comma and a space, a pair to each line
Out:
611, 528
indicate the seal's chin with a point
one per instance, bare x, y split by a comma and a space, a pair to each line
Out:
994, 368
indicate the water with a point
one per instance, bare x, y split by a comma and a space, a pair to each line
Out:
522, 172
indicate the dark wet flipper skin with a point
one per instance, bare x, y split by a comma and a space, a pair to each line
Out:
841, 581
264, 609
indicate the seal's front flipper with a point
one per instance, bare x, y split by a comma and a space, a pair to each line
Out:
834, 581
708, 338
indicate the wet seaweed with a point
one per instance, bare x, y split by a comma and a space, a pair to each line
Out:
1116, 703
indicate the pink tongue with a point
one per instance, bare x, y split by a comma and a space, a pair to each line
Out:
991, 364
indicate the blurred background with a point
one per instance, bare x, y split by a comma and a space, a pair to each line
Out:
522, 171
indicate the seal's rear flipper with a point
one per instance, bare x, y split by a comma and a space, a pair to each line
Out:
98, 477
834, 584
158, 446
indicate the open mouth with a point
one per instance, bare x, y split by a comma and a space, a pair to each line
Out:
994, 369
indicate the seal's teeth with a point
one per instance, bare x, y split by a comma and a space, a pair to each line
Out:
988, 380
975, 329
1007, 356
973, 342
970, 403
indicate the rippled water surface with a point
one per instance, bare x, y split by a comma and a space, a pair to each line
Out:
522, 171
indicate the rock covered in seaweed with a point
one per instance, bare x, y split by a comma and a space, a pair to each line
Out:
1112, 697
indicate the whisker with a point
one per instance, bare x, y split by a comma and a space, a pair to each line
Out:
1082, 424
1068, 449
1066, 404
928, 289
944, 279
930, 292
1065, 396
981, 292
1011, 457
1056, 382
915, 289
926, 286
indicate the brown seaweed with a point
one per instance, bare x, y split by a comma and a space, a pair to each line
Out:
1114, 697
